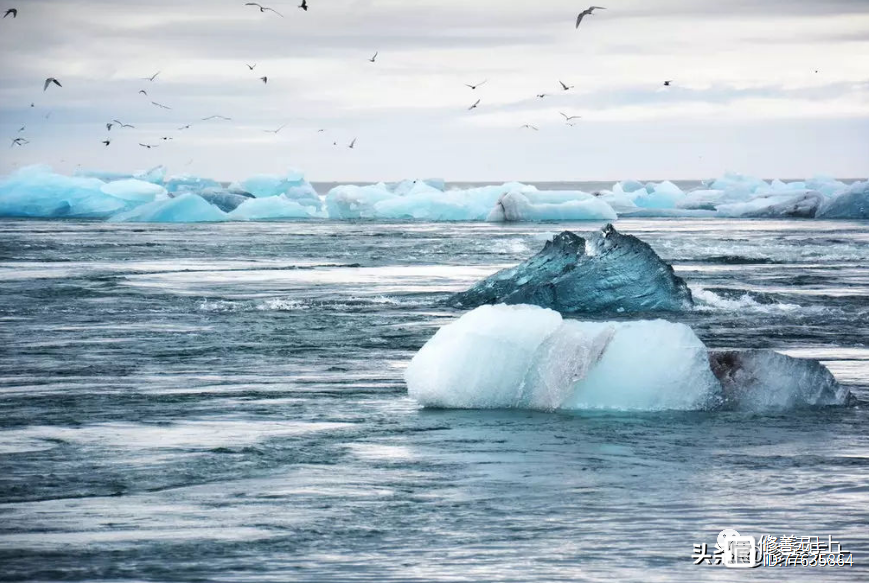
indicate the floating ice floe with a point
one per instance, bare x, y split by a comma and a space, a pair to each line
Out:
187, 208
270, 208
528, 357
38, 192
607, 272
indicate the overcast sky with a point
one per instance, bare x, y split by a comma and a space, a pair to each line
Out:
745, 97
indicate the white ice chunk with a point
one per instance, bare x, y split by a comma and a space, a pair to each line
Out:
577, 206
528, 357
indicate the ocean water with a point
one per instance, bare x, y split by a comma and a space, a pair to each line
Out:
225, 403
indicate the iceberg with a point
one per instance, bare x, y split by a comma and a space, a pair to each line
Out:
527, 357
530, 358
187, 208
853, 203
292, 186
763, 380
608, 272
515, 206
224, 199
134, 190
659, 196
270, 208
355, 202
37, 192
189, 183
792, 204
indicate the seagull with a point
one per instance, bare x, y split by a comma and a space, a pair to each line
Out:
49, 81
474, 87
32, 105
263, 8
475, 105
19, 142
320, 131
152, 77
529, 126
149, 146
122, 124
374, 58
165, 139
187, 127
143, 92
109, 126
161, 106
251, 67
13, 12
587, 11
265, 80
541, 95
210, 117
570, 117
667, 83
566, 87
277, 130
304, 5
352, 144
22, 129
107, 142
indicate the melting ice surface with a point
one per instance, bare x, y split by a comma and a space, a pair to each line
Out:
37, 191
528, 357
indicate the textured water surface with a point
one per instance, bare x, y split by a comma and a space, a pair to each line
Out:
225, 403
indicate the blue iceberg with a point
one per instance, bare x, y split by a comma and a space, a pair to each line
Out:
37, 192
187, 208
608, 272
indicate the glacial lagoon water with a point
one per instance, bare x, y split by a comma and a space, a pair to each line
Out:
225, 403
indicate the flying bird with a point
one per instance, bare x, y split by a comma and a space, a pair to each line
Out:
320, 131
566, 87
374, 58
165, 139
475, 105
143, 92
109, 126
352, 144
122, 124
160, 105
667, 83
277, 130
304, 5
19, 142
152, 77
263, 8
586, 12
529, 126
32, 105
187, 127
474, 87
13, 12
149, 146
251, 67
265, 80
570, 117
49, 81
22, 129
107, 142
541, 95
210, 117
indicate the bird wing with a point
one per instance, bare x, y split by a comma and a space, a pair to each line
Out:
47, 83
597, 8
273, 10
564, 115
56, 82
579, 18
563, 85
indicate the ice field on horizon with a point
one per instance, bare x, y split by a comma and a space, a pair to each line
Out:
153, 196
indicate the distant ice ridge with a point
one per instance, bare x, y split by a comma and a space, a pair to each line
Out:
528, 357
36, 191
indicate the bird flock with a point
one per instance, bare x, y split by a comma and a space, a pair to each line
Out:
21, 141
